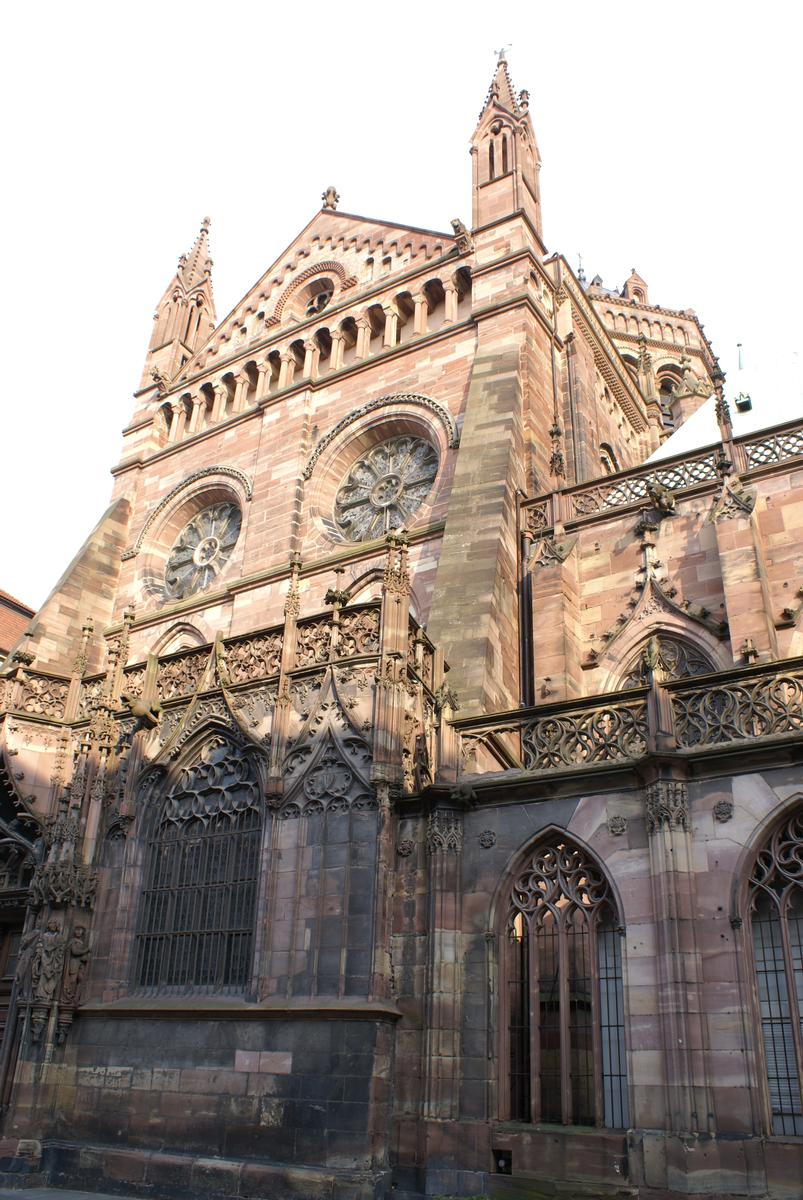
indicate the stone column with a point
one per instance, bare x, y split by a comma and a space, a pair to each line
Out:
197, 415
363, 337
263, 380
450, 298
421, 313
391, 325
684, 1041
441, 1067
240, 392
219, 406
177, 422
287, 369
338, 349
312, 355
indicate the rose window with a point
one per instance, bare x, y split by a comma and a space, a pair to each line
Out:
385, 487
202, 549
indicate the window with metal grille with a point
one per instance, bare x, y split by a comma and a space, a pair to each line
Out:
776, 917
563, 971
196, 920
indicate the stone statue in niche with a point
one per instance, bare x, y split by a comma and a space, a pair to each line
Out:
75, 968
48, 962
25, 958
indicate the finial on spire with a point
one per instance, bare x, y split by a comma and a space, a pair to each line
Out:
581, 275
501, 55
331, 198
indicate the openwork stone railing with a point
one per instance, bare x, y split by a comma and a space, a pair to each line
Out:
630, 487
737, 706
633, 489
774, 448
352, 633
612, 732
738, 709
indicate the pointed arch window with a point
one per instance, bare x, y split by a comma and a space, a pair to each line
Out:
563, 974
677, 659
198, 907
775, 906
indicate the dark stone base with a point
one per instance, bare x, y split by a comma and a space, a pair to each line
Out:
164, 1176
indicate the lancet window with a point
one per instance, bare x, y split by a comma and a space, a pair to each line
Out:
197, 913
776, 920
563, 975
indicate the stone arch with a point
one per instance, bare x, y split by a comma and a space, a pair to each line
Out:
557, 906
404, 399
206, 473
180, 636
618, 659
330, 267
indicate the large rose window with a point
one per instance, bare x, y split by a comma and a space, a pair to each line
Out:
385, 487
202, 549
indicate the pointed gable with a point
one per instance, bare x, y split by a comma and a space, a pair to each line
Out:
336, 256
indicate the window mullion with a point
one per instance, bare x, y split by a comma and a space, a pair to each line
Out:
791, 987
596, 1031
564, 1020
530, 930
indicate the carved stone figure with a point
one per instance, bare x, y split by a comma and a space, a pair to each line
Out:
462, 236
75, 967
48, 962
661, 497
330, 198
25, 958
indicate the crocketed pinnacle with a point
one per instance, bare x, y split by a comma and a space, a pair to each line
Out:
195, 266
501, 90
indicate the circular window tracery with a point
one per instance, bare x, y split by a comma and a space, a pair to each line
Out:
202, 549
317, 296
384, 488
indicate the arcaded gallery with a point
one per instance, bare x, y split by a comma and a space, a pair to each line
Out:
402, 791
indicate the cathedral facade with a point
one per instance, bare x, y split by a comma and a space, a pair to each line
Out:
402, 788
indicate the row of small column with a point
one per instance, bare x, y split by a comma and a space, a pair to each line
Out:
188, 418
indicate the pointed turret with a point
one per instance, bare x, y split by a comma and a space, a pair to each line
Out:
185, 315
505, 156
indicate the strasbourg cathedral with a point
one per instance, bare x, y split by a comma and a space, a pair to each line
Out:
401, 789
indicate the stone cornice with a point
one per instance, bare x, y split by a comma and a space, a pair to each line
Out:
629, 398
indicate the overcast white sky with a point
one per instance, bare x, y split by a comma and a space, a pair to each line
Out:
669, 134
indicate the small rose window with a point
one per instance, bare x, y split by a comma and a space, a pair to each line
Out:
202, 549
384, 488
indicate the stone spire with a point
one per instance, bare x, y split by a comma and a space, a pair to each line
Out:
197, 265
501, 90
506, 162
185, 315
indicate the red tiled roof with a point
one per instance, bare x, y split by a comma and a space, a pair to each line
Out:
14, 620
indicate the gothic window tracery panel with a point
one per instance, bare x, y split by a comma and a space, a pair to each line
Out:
197, 912
776, 919
565, 1008
677, 659
202, 549
385, 487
